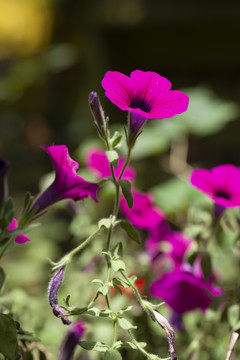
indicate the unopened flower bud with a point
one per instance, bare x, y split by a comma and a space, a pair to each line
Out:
71, 341
53, 288
4, 165
98, 114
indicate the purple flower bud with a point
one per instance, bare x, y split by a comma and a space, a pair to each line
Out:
53, 288
67, 183
4, 165
98, 113
71, 341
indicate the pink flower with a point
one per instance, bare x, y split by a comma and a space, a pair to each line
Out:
146, 95
143, 214
184, 291
21, 238
67, 183
221, 184
178, 243
98, 163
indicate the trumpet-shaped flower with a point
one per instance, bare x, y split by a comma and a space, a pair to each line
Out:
21, 238
98, 163
143, 214
221, 184
178, 243
184, 291
146, 95
71, 341
67, 184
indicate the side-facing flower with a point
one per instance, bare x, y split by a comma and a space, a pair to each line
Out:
71, 341
4, 165
184, 291
146, 95
98, 163
143, 214
67, 184
53, 288
21, 238
221, 184
177, 243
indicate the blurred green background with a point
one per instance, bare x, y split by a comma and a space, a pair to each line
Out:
52, 54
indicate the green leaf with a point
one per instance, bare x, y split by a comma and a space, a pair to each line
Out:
2, 278
116, 139
112, 354
106, 222
125, 324
8, 336
206, 265
97, 281
118, 281
118, 249
233, 315
130, 230
112, 156
126, 189
104, 289
93, 311
94, 345
118, 265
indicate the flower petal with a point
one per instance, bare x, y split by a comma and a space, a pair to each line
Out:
169, 104
119, 88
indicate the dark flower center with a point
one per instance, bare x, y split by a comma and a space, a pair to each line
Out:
223, 194
139, 103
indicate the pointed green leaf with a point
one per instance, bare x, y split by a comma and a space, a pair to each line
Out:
94, 345
206, 265
8, 336
126, 189
112, 354
116, 139
106, 222
125, 324
118, 265
112, 156
130, 230
2, 278
118, 249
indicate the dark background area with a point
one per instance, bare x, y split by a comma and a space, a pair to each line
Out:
44, 88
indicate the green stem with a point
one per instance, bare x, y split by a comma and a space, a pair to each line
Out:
114, 331
126, 163
138, 346
9, 243
133, 287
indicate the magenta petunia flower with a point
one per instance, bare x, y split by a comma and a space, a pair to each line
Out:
21, 238
221, 184
184, 291
146, 95
143, 214
67, 183
71, 341
98, 163
178, 243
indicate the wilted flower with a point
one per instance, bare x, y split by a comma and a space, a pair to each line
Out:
53, 288
98, 163
221, 184
146, 95
67, 183
21, 238
71, 341
143, 214
4, 165
184, 291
